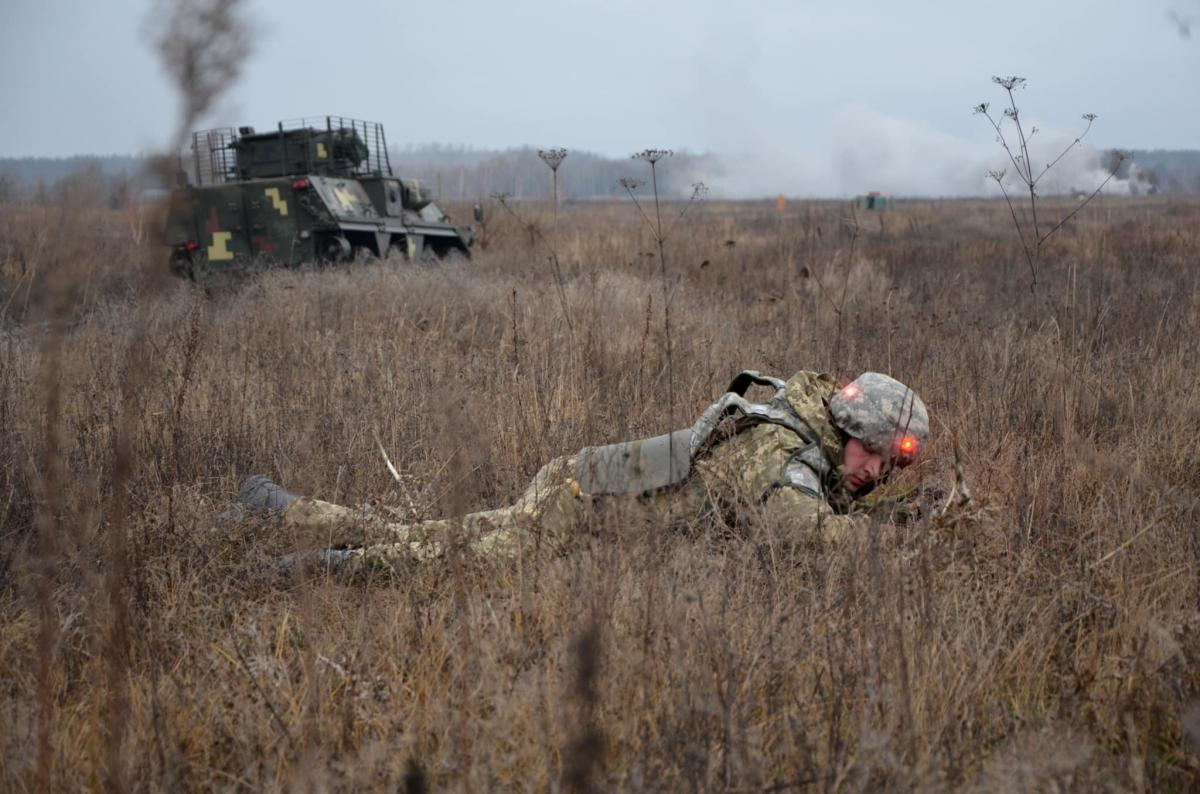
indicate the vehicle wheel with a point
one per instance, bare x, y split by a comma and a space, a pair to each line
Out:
429, 255
334, 249
181, 265
455, 256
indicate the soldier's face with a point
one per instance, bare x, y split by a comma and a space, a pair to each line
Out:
862, 467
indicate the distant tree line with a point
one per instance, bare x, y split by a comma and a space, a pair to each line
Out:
454, 173
462, 173
113, 180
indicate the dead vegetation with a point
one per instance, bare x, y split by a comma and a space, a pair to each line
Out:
1047, 640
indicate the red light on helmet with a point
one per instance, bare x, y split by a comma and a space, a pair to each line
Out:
850, 392
191, 245
908, 446
299, 184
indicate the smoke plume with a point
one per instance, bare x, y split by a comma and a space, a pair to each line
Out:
859, 149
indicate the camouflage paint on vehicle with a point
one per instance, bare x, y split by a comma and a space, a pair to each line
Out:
311, 190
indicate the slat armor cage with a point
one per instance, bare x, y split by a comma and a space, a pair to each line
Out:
323, 145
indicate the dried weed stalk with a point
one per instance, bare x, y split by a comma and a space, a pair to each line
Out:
1031, 233
536, 234
655, 225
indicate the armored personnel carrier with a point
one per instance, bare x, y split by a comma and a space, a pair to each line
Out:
310, 190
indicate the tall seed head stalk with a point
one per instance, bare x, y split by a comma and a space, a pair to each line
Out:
553, 158
1032, 239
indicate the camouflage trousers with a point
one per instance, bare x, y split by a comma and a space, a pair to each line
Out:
548, 515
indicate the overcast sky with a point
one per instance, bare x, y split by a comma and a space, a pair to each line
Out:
795, 91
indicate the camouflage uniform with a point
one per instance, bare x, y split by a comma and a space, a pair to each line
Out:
776, 463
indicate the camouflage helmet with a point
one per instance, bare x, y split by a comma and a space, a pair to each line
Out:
882, 413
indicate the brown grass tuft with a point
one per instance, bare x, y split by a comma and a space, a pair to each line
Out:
1045, 640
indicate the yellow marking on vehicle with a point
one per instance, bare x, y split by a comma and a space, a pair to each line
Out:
219, 250
346, 198
279, 204
322, 154
412, 247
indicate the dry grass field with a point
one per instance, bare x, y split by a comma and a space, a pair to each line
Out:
1046, 638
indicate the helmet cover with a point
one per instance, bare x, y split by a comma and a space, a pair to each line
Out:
884, 414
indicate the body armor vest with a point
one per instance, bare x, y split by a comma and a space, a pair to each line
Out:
638, 467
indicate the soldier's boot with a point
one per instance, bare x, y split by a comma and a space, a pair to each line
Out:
259, 494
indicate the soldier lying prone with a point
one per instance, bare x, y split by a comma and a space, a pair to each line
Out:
807, 458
